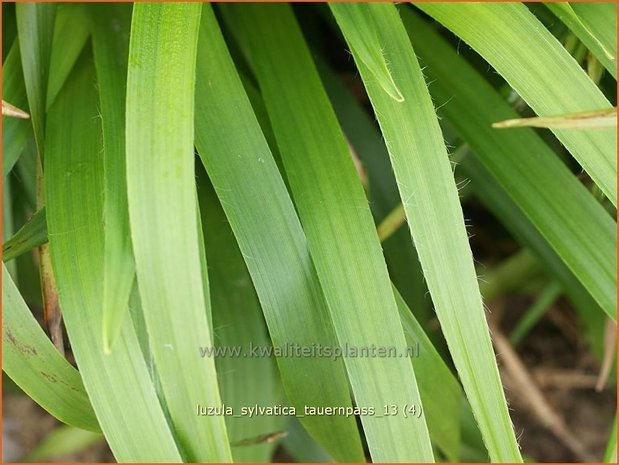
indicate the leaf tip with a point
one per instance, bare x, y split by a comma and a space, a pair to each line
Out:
108, 340
10, 110
394, 92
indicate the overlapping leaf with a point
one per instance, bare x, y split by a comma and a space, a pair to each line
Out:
29, 236
338, 224
595, 24
238, 323
571, 220
254, 198
118, 384
430, 199
163, 218
110, 38
34, 364
543, 73
35, 25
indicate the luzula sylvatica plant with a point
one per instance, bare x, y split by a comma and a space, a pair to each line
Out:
194, 176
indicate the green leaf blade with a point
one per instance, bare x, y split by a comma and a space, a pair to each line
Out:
15, 132
332, 204
34, 364
30, 235
439, 389
400, 255
358, 20
595, 24
35, 23
535, 64
238, 318
128, 409
66, 48
430, 199
573, 223
250, 189
111, 26
163, 218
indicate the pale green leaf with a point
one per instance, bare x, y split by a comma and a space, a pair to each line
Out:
35, 25
383, 195
127, 408
438, 393
34, 364
439, 389
71, 30
110, 37
361, 24
331, 204
246, 179
238, 322
595, 24
568, 217
163, 218
543, 73
65, 50
430, 198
